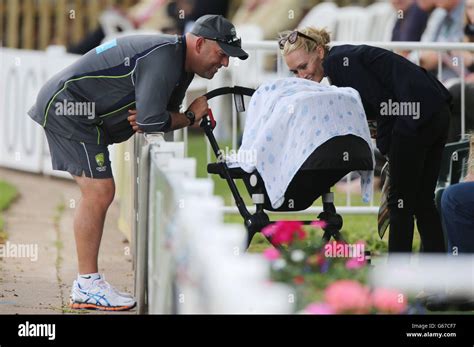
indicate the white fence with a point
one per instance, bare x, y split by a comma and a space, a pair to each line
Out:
186, 259
23, 143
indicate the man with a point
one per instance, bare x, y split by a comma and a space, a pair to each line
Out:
85, 107
411, 24
457, 208
444, 25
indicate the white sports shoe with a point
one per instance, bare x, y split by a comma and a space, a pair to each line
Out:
100, 296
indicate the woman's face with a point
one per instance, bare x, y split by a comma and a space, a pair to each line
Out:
306, 65
470, 11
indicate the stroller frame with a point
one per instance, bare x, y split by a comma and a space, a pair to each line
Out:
257, 221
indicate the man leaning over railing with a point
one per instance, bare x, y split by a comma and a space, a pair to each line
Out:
87, 106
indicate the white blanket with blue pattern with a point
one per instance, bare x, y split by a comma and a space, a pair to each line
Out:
288, 119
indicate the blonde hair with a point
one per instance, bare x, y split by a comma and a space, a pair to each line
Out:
470, 162
321, 36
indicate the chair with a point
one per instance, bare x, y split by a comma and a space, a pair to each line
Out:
383, 18
352, 24
453, 165
323, 15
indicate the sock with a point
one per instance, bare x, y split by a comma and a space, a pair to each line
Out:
85, 280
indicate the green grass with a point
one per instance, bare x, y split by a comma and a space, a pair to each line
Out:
7, 194
356, 227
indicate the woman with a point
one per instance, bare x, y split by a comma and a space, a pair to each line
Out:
412, 110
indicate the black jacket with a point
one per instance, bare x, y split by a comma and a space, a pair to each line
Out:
382, 77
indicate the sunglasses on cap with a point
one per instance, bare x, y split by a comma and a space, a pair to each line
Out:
229, 39
292, 37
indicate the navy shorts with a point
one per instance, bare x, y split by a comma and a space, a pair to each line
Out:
78, 158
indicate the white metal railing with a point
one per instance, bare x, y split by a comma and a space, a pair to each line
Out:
239, 71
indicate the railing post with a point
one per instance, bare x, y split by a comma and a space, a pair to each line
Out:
142, 184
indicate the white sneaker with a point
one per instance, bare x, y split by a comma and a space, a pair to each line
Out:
100, 296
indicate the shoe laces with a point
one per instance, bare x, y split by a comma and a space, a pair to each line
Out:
103, 284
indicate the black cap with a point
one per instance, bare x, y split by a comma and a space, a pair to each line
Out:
219, 29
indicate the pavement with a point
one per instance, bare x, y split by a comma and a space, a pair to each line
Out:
39, 223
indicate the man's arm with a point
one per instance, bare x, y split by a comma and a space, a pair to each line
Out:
178, 120
155, 77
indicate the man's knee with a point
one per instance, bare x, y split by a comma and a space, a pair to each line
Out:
457, 200
101, 191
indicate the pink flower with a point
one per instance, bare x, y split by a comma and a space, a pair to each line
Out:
271, 253
355, 263
284, 232
319, 224
318, 308
269, 230
388, 300
347, 296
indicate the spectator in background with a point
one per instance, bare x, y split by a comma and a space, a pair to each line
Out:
151, 15
411, 21
272, 16
444, 25
186, 12
455, 90
426, 5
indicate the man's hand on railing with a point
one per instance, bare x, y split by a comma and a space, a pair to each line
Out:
133, 120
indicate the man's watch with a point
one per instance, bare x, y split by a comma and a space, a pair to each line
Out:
190, 116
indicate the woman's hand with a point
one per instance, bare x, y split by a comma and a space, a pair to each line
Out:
132, 119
